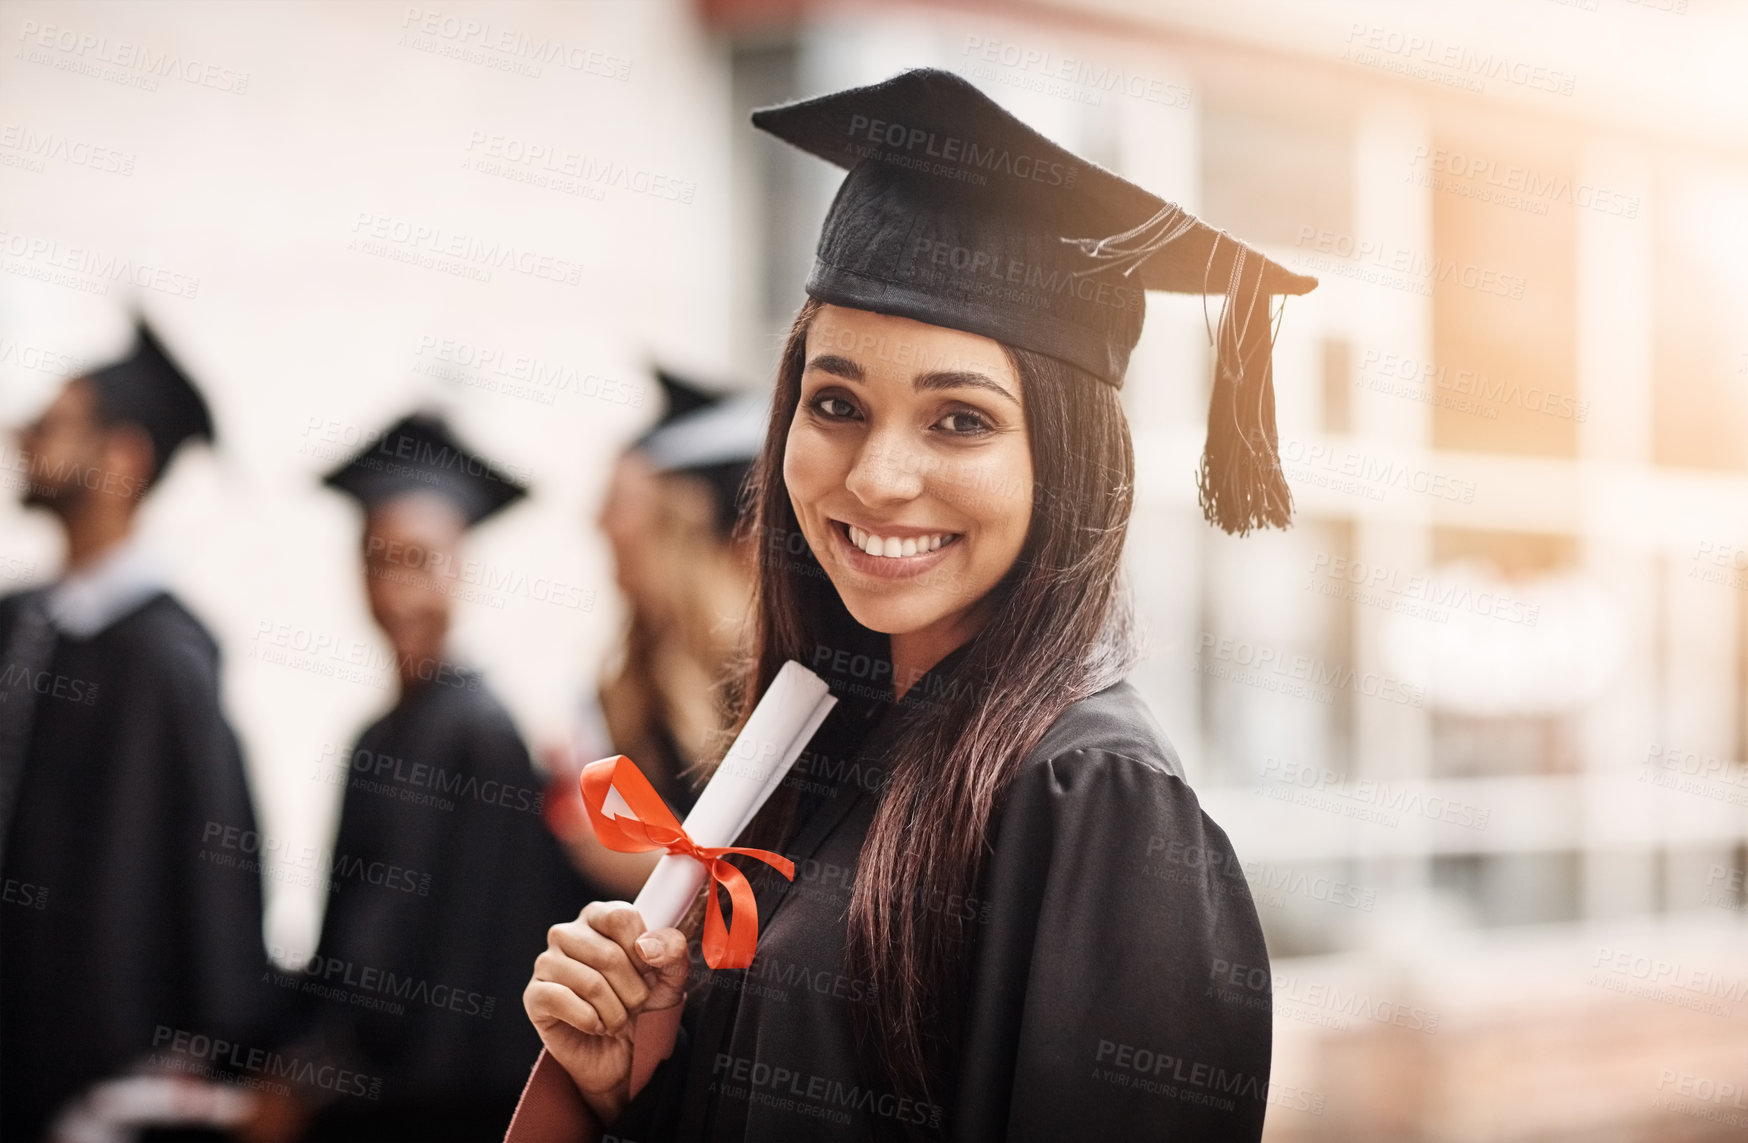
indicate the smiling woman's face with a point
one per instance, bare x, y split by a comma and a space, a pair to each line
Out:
909, 467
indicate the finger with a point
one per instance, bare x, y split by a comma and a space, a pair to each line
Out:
581, 943
664, 951
589, 983
618, 921
546, 1002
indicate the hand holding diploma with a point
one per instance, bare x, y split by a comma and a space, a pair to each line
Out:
599, 973
602, 971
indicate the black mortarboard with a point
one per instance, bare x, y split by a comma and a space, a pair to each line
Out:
419, 454
713, 437
148, 389
957, 214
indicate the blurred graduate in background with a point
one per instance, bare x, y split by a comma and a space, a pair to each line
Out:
130, 928
418, 975
668, 518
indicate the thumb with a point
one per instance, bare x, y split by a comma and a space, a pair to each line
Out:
664, 951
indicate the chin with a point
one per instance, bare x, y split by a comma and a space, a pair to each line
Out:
892, 614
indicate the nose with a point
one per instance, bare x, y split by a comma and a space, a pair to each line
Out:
886, 471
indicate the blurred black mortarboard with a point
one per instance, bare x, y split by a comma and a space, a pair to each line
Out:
147, 388
420, 454
712, 437
957, 214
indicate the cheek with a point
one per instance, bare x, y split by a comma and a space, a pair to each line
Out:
812, 467
996, 492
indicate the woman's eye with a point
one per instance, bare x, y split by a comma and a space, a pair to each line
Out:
964, 423
833, 408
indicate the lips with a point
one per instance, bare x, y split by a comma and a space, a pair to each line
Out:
890, 546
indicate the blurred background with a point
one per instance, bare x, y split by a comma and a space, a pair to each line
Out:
1475, 723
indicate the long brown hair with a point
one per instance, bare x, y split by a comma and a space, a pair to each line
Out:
1058, 630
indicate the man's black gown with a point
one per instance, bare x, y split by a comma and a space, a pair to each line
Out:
445, 881
1119, 987
126, 919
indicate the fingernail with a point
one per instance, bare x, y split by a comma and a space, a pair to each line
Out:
649, 947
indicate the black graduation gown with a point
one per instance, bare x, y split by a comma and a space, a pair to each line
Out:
126, 918
445, 879
1119, 985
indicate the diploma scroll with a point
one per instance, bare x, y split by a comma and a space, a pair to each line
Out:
779, 728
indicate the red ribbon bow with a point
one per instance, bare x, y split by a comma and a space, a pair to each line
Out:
656, 827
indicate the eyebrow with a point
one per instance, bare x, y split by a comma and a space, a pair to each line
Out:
939, 379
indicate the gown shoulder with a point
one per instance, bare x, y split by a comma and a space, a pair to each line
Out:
1100, 1004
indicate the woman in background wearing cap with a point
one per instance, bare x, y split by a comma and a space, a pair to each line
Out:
686, 583
1010, 917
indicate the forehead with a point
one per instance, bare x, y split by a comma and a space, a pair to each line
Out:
886, 345
421, 517
77, 398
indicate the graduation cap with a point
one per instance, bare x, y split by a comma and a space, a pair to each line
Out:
957, 214
714, 437
147, 388
419, 453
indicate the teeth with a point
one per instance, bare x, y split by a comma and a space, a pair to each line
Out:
891, 547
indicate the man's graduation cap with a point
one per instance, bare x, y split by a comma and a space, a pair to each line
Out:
710, 436
419, 454
957, 214
147, 388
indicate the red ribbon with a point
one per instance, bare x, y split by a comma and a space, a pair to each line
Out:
656, 827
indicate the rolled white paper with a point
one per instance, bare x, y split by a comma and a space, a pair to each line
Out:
779, 728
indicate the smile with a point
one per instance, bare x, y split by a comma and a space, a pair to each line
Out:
895, 547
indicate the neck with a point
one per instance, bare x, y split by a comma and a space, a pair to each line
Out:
914, 653
95, 529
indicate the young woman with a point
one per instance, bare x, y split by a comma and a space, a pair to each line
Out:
1009, 917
